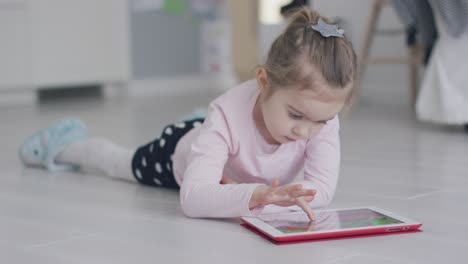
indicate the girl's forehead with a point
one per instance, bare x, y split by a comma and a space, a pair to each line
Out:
313, 104
318, 93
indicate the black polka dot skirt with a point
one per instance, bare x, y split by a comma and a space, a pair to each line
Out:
152, 163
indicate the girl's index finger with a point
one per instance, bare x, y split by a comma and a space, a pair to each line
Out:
305, 206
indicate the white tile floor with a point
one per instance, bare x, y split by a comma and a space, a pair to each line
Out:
389, 161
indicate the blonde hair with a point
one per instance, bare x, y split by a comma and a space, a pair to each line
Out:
334, 57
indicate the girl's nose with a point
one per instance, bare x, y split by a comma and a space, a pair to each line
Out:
301, 131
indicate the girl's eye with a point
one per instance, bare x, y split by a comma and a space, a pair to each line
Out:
294, 116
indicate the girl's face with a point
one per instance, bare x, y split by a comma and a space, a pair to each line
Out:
291, 113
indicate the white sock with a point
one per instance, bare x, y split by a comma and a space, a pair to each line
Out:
100, 154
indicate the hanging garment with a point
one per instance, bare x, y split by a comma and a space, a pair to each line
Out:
443, 95
454, 14
418, 18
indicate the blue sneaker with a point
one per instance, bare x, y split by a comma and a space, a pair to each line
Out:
42, 147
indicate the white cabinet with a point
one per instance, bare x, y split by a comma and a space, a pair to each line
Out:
46, 43
15, 69
79, 41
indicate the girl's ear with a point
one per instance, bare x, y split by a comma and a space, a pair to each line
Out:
262, 80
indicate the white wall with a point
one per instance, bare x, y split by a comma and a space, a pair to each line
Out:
163, 45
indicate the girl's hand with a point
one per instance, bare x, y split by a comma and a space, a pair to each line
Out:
286, 195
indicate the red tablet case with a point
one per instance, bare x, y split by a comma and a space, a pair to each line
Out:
345, 234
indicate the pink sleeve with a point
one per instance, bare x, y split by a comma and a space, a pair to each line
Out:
201, 194
321, 168
322, 164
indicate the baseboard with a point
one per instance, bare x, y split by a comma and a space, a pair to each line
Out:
173, 85
18, 97
176, 85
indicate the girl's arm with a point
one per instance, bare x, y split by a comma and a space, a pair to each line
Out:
322, 164
321, 169
201, 193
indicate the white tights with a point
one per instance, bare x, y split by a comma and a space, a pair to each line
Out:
100, 154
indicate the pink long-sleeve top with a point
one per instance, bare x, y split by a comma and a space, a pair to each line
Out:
228, 143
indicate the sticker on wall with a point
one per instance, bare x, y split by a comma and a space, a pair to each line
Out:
175, 7
147, 5
206, 9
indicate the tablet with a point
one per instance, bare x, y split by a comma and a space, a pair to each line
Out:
331, 223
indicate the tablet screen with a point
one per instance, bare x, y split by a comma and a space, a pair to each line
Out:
329, 220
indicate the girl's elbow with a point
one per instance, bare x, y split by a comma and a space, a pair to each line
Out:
187, 205
188, 209
188, 212
327, 202
327, 198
